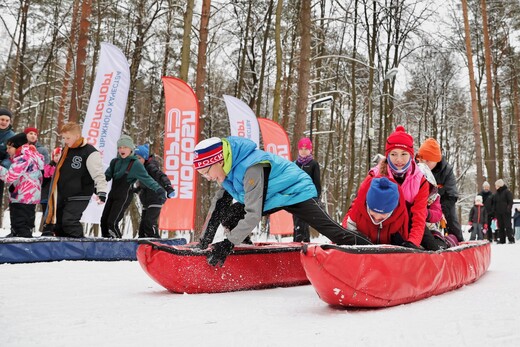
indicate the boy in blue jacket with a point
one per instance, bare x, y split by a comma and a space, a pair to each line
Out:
261, 183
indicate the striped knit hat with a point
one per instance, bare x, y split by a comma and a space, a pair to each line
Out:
208, 152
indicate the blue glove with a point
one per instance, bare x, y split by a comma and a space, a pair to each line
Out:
171, 195
220, 252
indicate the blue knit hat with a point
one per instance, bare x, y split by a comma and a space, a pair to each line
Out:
382, 196
143, 151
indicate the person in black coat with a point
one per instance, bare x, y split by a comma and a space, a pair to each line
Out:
430, 154
307, 163
487, 198
149, 226
502, 207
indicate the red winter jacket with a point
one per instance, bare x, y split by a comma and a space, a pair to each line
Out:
378, 233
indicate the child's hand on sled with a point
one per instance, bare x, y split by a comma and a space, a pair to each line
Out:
220, 252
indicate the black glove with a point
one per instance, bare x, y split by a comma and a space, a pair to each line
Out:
409, 244
161, 195
220, 252
102, 197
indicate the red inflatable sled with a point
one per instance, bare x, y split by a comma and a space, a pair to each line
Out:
184, 269
385, 275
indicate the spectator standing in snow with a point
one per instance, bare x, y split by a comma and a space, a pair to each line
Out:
502, 208
430, 154
400, 166
48, 172
478, 219
262, 183
487, 199
516, 221
152, 204
124, 171
24, 179
78, 175
6, 132
379, 211
32, 139
307, 163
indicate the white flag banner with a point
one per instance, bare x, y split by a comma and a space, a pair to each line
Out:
106, 112
242, 119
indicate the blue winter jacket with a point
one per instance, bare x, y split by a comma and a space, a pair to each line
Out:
287, 185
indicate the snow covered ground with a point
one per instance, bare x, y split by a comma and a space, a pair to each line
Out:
78, 303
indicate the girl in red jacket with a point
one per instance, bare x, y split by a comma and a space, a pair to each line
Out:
379, 211
399, 164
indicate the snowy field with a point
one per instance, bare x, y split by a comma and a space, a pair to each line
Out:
79, 303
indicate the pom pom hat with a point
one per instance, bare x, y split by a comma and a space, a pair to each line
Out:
399, 139
143, 151
430, 150
305, 143
383, 195
208, 152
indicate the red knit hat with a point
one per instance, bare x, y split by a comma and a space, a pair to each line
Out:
430, 150
56, 151
399, 139
29, 129
208, 152
305, 142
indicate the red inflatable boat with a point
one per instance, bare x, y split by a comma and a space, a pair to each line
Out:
184, 269
385, 275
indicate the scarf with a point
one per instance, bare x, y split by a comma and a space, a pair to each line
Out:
304, 160
53, 197
395, 171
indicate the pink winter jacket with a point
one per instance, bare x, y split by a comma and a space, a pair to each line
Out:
24, 176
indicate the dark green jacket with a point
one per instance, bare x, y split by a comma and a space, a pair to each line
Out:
118, 166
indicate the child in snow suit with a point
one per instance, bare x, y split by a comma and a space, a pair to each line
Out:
78, 175
378, 211
430, 154
478, 219
400, 165
151, 202
262, 183
24, 178
124, 170
307, 163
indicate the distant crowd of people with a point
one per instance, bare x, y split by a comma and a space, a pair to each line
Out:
64, 182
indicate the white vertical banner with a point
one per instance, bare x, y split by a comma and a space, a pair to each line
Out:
106, 112
242, 119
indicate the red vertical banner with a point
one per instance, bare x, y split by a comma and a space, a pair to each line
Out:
277, 142
181, 131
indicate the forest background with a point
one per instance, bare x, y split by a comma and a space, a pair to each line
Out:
447, 70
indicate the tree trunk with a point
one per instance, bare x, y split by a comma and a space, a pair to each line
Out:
264, 59
303, 75
243, 54
68, 64
474, 103
186, 40
77, 87
492, 174
279, 62
200, 93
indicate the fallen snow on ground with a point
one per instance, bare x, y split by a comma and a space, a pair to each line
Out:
79, 303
